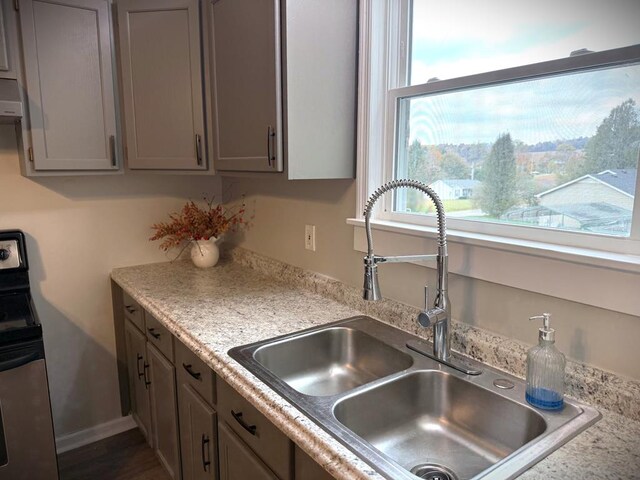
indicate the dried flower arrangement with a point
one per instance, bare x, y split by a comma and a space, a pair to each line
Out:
198, 223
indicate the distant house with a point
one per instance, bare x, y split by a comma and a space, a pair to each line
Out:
612, 187
600, 203
454, 189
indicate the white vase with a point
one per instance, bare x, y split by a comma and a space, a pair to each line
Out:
205, 253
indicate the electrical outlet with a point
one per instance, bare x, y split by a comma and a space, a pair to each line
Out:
310, 237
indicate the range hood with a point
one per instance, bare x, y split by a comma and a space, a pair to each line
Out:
10, 101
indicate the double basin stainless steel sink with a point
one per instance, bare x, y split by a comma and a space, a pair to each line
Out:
405, 414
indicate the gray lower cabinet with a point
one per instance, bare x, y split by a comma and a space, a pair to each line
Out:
70, 87
164, 411
198, 425
237, 460
307, 468
255, 431
162, 84
137, 366
198, 436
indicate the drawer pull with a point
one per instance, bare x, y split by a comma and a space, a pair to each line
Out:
249, 428
189, 370
153, 334
204, 445
140, 374
146, 379
130, 309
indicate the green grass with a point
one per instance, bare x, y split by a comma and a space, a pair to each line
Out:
427, 206
457, 205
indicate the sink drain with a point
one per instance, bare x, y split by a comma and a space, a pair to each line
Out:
433, 471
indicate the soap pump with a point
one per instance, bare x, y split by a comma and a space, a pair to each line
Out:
545, 369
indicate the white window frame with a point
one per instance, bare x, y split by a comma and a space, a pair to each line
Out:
600, 260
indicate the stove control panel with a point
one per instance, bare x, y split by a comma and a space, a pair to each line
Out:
9, 254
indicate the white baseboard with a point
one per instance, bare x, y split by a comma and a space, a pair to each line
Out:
64, 443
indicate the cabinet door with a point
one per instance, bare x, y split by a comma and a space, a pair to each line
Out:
69, 83
8, 41
198, 442
246, 83
307, 468
162, 83
137, 366
164, 411
237, 461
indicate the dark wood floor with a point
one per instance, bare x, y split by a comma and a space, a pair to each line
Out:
122, 457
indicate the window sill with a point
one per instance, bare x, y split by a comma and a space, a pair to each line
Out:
602, 279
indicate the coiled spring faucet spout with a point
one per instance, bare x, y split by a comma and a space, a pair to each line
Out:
439, 314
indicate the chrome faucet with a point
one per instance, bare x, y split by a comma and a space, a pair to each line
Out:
438, 315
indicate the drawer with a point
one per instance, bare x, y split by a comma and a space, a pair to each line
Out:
133, 311
267, 442
193, 371
158, 335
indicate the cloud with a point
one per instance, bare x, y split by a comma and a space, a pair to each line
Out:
552, 108
462, 37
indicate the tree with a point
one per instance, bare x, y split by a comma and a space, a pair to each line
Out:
616, 142
415, 160
499, 187
423, 162
453, 166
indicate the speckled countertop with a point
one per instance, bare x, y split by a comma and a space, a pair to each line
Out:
252, 298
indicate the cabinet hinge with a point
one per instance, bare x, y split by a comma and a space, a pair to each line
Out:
30, 154
16, 5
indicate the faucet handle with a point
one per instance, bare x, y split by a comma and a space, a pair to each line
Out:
426, 297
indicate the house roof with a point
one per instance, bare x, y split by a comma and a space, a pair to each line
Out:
460, 183
621, 179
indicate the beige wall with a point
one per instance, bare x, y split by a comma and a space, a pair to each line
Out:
78, 229
599, 337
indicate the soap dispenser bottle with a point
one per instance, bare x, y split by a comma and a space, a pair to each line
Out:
545, 369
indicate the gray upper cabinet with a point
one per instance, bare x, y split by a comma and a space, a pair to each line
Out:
162, 84
69, 84
8, 40
284, 86
246, 83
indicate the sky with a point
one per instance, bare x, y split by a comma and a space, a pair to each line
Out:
461, 37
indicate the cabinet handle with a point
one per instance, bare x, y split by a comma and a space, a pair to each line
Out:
204, 443
198, 149
153, 334
189, 369
146, 379
249, 428
112, 150
140, 374
130, 309
270, 149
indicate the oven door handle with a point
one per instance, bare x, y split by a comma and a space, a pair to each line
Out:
18, 361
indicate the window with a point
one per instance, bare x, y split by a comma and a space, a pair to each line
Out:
526, 123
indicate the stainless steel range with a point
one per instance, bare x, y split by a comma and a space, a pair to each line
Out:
27, 443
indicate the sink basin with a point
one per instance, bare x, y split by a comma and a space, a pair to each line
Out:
433, 417
405, 414
331, 361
